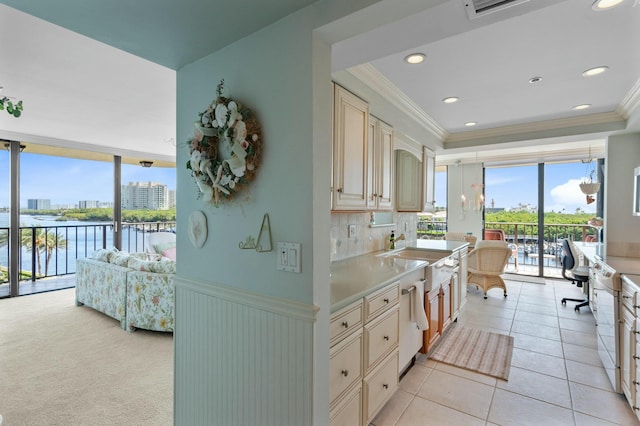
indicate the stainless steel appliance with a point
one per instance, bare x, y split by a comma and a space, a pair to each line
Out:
605, 303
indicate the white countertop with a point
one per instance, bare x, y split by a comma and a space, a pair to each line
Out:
444, 246
354, 278
595, 252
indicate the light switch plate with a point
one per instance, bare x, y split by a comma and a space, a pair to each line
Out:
288, 257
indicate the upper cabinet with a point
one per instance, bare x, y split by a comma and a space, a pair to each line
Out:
409, 182
350, 151
363, 166
380, 176
429, 179
415, 179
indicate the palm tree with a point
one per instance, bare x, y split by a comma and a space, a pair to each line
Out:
44, 242
53, 242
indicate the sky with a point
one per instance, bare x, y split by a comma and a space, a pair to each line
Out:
510, 186
66, 181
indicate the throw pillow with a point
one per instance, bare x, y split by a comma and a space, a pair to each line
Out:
167, 250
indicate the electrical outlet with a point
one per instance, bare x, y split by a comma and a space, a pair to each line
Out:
351, 231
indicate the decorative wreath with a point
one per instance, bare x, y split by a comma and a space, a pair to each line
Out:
225, 149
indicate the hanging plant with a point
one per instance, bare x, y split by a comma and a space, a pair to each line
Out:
10, 107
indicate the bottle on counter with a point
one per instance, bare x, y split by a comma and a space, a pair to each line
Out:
392, 241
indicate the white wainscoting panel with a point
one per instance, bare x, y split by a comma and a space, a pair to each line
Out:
241, 359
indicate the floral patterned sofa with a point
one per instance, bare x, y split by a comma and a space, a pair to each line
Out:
128, 287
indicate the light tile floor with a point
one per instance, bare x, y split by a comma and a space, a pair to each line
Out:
556, 376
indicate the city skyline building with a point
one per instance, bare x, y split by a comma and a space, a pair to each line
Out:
145, 195
38, 204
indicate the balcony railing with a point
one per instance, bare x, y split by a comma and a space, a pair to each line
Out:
48, 251
523, 240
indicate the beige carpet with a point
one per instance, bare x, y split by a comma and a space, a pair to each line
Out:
66, 365
475, 350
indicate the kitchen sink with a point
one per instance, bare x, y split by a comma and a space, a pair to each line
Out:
408, 254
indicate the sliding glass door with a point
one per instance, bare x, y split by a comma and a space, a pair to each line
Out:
537, 206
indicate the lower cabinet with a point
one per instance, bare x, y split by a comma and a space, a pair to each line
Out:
364, 357
438, 308
629, 327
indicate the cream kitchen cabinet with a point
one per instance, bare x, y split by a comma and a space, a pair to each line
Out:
351, 157
380, 177
415, 181
439, 312
429, 177
363, 359
408, 182
629, 304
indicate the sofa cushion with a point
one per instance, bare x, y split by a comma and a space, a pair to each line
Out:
120, 258
104, 255
162, 266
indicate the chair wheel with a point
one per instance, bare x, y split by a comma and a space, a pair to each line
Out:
485, 297
577, 309
564, 302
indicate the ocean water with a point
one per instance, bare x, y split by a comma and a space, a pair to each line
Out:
82, 239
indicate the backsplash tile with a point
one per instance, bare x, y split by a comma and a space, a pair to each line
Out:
366, 239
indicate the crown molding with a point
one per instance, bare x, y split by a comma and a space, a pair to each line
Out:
630, 102
539, 126
373, 78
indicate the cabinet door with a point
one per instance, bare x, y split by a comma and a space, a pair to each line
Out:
350, 153
372, 153
432, 308
445, 307
428, 176
462, 279
408, 182
627, 351
385, 169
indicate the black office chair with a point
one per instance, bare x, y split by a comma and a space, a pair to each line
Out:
574, 273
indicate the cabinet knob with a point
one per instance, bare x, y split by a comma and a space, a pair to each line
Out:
339, 190
636, 357
379, 196
386, 386
345, 324
387, 339
386, 300
626, 297
635, 382
345, 373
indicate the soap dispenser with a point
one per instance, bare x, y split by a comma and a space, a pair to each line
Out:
392, 241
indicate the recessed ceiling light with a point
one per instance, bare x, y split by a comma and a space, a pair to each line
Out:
414, 58
595, 71
470, 123
605, 4
583, 106
535, 79
450, 100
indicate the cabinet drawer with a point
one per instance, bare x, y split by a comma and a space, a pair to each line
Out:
348, 411
628, 296
345, 321
379, 386
380, 338
345, 365
380, 301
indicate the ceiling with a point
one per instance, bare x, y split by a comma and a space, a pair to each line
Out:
118, 95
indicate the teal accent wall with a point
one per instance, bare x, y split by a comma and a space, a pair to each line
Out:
269, 72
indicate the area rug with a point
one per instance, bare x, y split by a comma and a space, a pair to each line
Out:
476, 350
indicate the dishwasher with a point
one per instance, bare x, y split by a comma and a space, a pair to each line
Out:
606, 308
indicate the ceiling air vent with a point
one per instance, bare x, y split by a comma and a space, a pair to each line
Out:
477, 8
